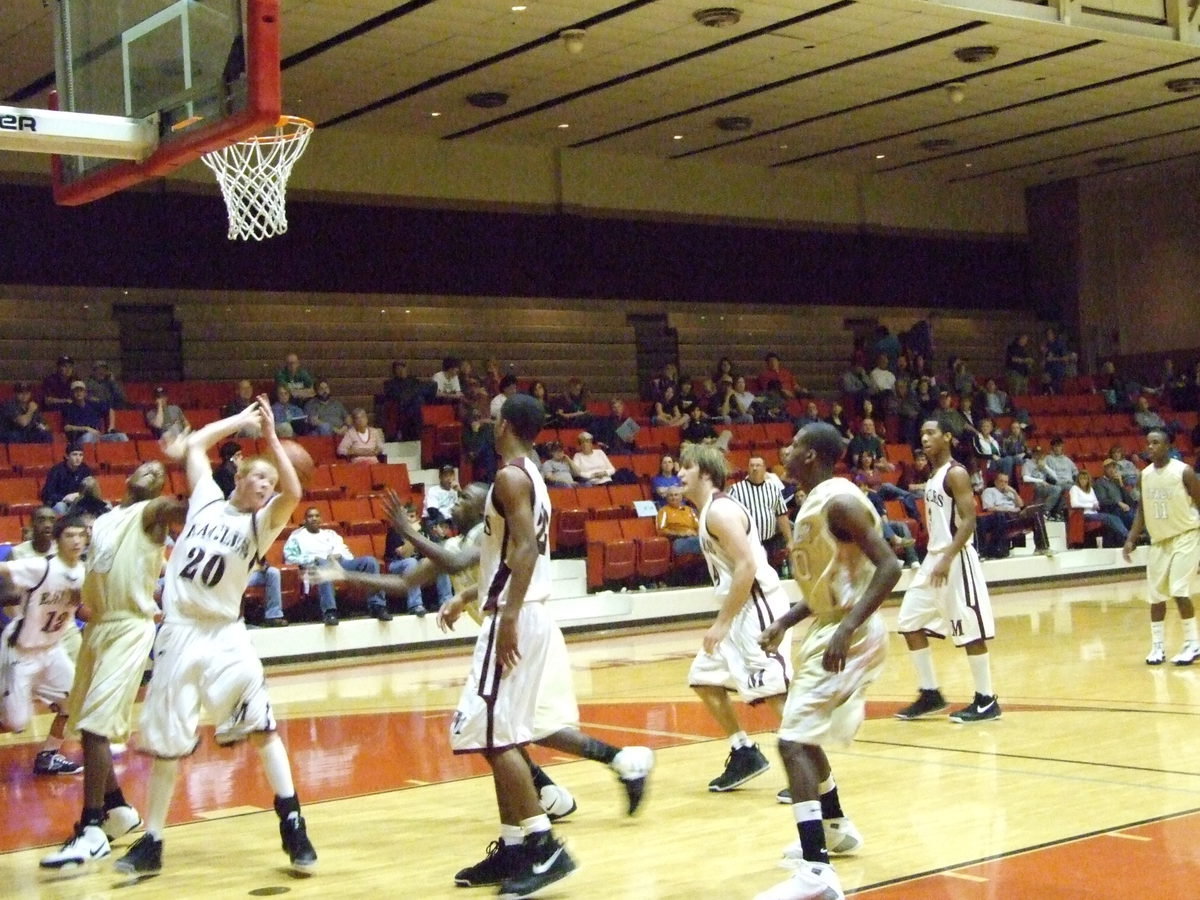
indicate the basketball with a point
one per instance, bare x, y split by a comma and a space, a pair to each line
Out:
302, 462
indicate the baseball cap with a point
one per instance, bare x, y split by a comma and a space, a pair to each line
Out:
78, 384
65, 360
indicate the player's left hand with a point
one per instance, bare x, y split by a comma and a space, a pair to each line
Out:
450, 612
771, 636
834, 659
715, 634
326, 572
174, 443
506, 641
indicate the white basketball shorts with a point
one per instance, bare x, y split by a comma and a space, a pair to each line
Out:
960, 609
44, 674
201, 665
739, 663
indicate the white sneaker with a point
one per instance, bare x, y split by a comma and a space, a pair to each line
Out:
1187, 655
811, 881
1156, 656
633, 765
121, 820
86, 845
841, 839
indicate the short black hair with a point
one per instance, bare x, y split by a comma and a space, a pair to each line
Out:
229, 450
1167, 433
825, 440
508, 381
943, 422
67, 522
524, 414
450, 362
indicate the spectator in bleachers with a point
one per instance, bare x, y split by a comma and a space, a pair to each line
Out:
901, 539
865, 471
617, 430
1127, 469
908, 414
270, 579
1145, 418
919, 337
225, 471
408, 393
889, 345
590, 464
1018, 365
921, 369
298, 381
556, 469
56, 387
41, 535
914, 475
746, 398
724, 369
402, 557
362, 442
728, 406
867, 440
667, 478
1013, 445
668, 377
1006, 508
687, 394
961, 380
506, 387
994, 401
290, 419
700, 430
242, 398
447, 383
1060, 464
855, 383
1114, 498
479, 445
313, 545
20, 419
537, 391
441, 497
1171, 386
811, 414
773, 371
772, 404
492, 376
883, 383
1046, 489
86, 420
570, 409
838, 419
65, 479
761, 493
678, 521
1057, 360
1083, 497
325, 414
667, 410
989, 452
103, 386
164, 415
953, 417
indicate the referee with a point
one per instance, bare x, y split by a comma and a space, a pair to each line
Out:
763, 498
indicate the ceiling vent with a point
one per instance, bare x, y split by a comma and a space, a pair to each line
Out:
980, 54
718, 16
734, 123
933, 145
488, 99
1183, 85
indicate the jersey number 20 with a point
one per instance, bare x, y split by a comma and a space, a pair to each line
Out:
211, 570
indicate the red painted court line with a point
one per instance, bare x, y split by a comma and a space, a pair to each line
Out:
1163, 861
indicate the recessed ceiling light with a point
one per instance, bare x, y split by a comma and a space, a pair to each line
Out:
783, 146
968, 165
881, 156
435, 114
519, 8
677, 137
564, 124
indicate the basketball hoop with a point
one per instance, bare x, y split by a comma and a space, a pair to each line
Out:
253, 176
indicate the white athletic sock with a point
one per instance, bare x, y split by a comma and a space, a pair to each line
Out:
535, 824
276, 766
826, 786
162, 787
511, 835
981, 671
923, 660
807, 811
1157, 632
739, 740
1189, 629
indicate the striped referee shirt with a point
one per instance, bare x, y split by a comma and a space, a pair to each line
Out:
764, 502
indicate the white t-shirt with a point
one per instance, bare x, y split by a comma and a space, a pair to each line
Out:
446, 385
303, 547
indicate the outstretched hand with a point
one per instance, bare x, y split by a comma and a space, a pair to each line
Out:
394, 508
174, 443
326, 572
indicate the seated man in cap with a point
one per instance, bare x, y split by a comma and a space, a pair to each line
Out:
103, 386
165, 416
56, 387
20, 420
86, 421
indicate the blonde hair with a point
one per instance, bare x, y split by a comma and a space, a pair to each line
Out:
709, 460
249, 462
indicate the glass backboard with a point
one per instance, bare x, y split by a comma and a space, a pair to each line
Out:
206, 70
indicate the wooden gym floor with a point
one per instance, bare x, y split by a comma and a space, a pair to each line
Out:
1089, 787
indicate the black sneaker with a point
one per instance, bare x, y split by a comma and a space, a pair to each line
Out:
784, 796
742, 764
502, 862
296, 843
330, 619
144, 856
978, 710
928, 701
381, 613
544, 861
51, 762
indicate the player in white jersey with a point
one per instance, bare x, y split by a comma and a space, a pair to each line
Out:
751, 598
125, 557
495, 714
948, 596
203, 655
34, 665
1168, 511
845, 570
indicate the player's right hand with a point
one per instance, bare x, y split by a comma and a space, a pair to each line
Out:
1127, 552
325, 572
771, 636
450, 612
506, 641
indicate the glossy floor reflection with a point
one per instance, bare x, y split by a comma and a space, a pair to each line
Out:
1086, 788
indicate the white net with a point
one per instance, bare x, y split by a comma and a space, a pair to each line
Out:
253, 175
